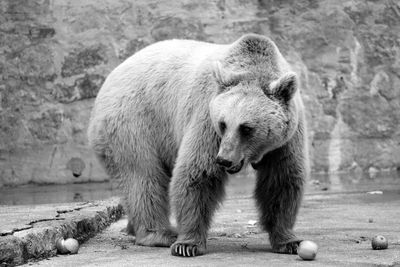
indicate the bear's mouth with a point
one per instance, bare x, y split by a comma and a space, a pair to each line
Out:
235, 169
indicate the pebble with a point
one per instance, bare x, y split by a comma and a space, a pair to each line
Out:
375, 192
252, 222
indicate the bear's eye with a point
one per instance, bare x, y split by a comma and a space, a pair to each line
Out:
222, 126
245, 130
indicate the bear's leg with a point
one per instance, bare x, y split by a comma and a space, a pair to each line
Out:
197, 187
130, 156
194, 199
146, 197
279, 190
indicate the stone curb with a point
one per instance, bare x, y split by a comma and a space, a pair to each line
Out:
80, 222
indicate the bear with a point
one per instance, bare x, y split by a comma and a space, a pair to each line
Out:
174, 120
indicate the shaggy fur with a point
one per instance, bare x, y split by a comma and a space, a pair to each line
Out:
172, 120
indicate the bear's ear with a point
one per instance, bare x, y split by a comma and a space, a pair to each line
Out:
285, 87
226, 78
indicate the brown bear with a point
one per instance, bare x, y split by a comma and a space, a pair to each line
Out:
174, 119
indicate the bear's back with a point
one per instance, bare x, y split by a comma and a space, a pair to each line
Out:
158, 75
158, 63
153, 86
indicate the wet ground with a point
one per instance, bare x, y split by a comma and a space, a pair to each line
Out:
341, 213
341, 223
239, 185
46, 194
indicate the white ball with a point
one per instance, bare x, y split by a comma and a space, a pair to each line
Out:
71, 245
61, 247
307, 250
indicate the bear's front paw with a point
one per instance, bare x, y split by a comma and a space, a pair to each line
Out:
287, 248
185, 250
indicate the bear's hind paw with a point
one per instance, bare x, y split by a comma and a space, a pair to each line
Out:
288, 248
185, 250
157, 239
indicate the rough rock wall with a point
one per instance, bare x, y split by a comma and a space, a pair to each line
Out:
54, 56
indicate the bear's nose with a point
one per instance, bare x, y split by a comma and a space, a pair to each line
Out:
224, 162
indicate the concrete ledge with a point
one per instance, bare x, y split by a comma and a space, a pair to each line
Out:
31, 232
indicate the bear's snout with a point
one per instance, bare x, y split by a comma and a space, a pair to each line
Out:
236, 168
224, 162
228, 165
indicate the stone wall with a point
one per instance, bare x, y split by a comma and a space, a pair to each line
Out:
55, 54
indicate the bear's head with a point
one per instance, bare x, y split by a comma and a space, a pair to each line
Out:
253, 112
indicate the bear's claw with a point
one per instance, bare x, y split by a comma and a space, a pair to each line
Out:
184, 250
288, 248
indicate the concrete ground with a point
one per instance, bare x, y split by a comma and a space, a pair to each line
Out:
30, 231
340, 221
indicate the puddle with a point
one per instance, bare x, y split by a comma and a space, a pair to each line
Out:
243, 183
44, 194
354, 182
239, 185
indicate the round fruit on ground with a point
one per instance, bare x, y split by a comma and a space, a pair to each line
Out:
71, 245
379, 242
307, 250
